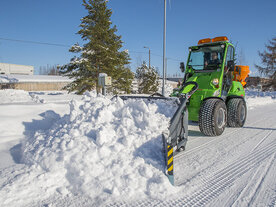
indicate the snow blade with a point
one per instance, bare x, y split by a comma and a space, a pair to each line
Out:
175, 138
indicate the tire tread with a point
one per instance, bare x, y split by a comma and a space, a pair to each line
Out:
206, 117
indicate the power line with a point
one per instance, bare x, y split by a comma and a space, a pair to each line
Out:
168, 58
136, 52
63, 45
34, 42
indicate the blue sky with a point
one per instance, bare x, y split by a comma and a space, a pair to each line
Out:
249, 24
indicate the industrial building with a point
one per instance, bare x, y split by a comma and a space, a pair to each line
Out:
13, 69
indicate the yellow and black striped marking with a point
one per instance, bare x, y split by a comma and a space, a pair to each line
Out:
170, 160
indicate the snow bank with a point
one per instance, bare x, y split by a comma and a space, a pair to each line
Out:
17, 96
103, 149
255, 98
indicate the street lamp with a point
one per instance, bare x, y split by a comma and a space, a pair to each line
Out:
164, 48
149, 55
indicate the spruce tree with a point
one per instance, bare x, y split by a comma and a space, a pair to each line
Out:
268, 58
148, 79
100, 52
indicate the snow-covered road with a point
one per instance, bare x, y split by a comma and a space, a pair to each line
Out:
237, 168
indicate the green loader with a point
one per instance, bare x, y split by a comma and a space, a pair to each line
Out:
213, 94
219, 100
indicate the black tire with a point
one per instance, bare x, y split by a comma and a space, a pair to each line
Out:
237, 112
212, 117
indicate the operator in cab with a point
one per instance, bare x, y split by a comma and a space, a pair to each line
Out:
213, 60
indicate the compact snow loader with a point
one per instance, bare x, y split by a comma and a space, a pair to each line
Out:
217, 101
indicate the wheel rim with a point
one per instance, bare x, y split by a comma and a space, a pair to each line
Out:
221, 118
242, 115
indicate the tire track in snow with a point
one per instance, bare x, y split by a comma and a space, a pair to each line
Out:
233, 130
181, 166
215, 184
255, 137
251, 152
183, 180
224, 178
263, 139
252, 188
273, 202
218, 139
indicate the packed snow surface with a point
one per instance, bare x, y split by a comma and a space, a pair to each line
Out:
101, 150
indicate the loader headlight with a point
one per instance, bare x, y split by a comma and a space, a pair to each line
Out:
215, 81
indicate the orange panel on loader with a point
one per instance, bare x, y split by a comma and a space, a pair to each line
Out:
241, 73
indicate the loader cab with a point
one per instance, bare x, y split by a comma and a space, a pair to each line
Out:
210, 55
211, 61
207, 58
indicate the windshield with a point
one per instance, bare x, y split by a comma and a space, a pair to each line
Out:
206, 57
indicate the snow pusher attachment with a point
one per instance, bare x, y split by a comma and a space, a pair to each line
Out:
176, 137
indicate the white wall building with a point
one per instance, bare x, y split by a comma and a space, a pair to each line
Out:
10, 69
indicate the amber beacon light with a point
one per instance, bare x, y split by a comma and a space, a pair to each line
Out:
216, 39
220, 39
203, 41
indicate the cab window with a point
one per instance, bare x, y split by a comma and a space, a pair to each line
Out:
230, 54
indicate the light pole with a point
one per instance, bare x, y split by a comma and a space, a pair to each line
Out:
149, 55
166, 71
164, 48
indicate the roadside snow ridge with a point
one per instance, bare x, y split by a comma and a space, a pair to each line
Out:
103, 149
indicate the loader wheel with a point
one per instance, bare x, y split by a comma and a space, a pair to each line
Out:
212, 117
237, 112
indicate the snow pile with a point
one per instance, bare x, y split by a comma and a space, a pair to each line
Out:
53, 96
32, 78
256, 98
16, 96
104, 149
168, 89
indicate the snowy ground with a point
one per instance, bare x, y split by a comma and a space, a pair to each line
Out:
96, 152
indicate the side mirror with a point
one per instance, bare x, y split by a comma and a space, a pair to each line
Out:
230, 65
182, 67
